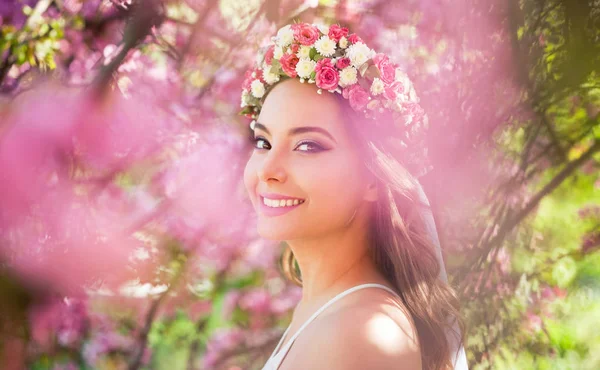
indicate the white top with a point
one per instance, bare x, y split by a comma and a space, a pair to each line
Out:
275, 360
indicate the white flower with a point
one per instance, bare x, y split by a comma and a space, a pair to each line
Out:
268, 76
412, 95
359, 53
325, 46
401, 76
377, 86
258, 89
348, 76
323, 28
285, 36
343, 42
305, 67
304, 52
409, 90
244, 99
259, 58
277, 52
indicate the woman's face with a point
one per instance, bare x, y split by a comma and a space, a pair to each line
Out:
303, 151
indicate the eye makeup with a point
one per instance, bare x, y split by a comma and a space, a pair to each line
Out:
310, 143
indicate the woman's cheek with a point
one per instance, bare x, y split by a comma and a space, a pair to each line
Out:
339, 180
250, 178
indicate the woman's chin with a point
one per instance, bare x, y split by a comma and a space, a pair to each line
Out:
272, 231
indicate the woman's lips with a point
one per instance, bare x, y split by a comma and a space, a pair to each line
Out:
275, 211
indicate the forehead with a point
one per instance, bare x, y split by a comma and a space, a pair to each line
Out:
292, 103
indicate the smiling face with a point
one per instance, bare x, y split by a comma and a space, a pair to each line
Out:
304, 151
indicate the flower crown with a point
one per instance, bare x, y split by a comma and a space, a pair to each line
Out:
342, 63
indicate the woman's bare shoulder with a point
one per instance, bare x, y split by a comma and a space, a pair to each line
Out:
377, 312
371, 331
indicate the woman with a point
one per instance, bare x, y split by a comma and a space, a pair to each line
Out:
334, 175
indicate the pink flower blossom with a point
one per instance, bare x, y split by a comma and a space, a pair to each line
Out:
392, 91
412, 112
106, 342
288, 64
72, 240
257, 301
357, 96
223, 340
325, 62
247, 80
286, 300
230, 302
342, 63
386, 69
305, 34
354, 38
198, 187
67, 320
269, 54
327, 77
336, 32
534, 322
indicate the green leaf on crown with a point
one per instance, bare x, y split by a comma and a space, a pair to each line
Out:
247, 110
276, 70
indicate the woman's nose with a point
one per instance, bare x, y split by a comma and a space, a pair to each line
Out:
272, 168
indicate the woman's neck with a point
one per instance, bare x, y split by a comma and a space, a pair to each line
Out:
331, 265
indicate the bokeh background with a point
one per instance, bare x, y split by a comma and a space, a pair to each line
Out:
126, 237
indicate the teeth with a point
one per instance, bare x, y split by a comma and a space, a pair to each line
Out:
282, 202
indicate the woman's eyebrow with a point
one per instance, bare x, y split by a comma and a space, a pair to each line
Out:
299, 130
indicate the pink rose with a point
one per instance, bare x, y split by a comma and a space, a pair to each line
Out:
343, 63
288, 64
354, 38
247, 80
305, 33
294, 48
336, 32
386, 69
325, 62
415, 110
412, 113
259, 74
327, 78
357, 96
346, 91
392, 91
269, 54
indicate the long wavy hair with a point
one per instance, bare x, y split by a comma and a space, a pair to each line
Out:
402, 250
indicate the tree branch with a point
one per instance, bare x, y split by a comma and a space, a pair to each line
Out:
534, 202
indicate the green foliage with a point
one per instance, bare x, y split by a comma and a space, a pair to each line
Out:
549, 315
171, 340
36, 43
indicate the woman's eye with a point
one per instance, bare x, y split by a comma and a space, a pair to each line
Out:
305, 146
310, 144
256, 140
